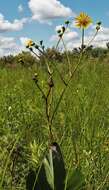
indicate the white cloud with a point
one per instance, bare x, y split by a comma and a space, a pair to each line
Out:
68, 37
9, 46
72, 38
59, 27
16, 25
46, 10
20, 8
74, 44
102, 37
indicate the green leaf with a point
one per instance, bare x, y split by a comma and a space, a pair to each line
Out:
37, 183
58, 166
51, 175
54, 168
48, 165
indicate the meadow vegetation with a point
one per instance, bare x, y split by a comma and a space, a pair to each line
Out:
36, 118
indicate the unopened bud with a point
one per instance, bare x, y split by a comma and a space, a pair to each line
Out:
99, 23
50, 82
41, 42
97, 27
58, 31
67, 22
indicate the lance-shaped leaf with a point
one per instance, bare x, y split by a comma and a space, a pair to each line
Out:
51, 175
58, 167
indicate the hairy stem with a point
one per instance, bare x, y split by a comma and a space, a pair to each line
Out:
82, 42
66, 52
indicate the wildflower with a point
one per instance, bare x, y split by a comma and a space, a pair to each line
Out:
83, 20
29, 43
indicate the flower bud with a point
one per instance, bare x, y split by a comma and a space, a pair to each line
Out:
99, 23
97, 27
58, 31
67, 22
41, 42
50, 82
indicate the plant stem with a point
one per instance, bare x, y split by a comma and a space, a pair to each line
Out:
35, 54
61, 77
82, 42
8, 160
66, 52
61, 38
64, 90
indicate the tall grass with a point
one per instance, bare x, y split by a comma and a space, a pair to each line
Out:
80, 127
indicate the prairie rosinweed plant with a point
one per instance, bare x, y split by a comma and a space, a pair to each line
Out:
82, 21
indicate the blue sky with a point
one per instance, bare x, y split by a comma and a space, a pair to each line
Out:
37, 19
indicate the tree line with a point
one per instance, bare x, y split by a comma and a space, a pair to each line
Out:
27, 59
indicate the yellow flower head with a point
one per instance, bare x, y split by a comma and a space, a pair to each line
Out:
83, 20
29, 43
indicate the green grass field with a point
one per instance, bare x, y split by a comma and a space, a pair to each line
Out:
81, 125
